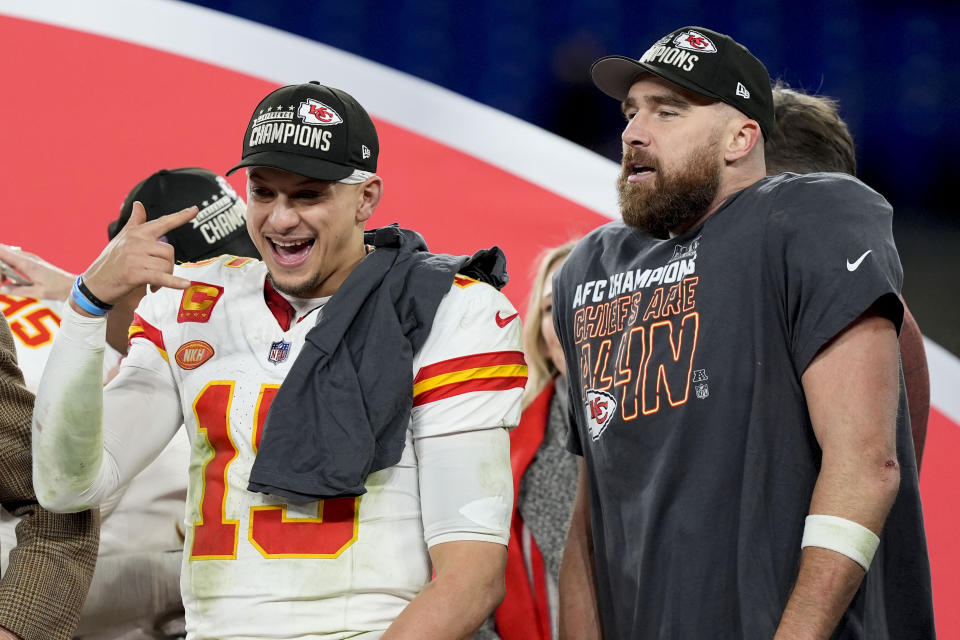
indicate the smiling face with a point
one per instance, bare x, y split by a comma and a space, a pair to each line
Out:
309, 232
672, 158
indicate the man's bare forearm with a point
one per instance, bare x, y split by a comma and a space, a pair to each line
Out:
825, 586
579, 618
828, 580
468, 587
851, 389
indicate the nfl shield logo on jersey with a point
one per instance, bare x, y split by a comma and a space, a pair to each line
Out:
279, 351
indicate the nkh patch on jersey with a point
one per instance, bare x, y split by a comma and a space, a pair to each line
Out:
192, 354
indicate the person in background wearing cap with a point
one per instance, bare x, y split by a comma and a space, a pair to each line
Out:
33, 308
809, 137
137, 578
320, 507
735, 378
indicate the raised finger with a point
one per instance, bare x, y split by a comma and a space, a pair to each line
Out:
138, 216
160, 279
154, 249
171, 221
158, 261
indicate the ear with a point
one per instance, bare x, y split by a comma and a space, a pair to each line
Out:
369, 197
743, 135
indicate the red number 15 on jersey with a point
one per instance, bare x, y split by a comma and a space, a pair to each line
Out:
271, 531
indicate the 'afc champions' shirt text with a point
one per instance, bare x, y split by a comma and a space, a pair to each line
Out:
636, 333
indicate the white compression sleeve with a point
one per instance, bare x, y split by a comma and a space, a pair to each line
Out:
67, 435
466, 487
76, 462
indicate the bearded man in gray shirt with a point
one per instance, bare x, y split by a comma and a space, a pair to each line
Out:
734, 380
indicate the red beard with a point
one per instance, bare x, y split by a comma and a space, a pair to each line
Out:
671, 202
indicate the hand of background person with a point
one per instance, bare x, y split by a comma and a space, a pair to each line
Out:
8, 635
136, 257
47, 281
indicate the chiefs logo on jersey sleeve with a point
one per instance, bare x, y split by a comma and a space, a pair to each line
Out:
198, 302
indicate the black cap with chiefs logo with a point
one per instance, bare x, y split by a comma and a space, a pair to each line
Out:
311, 130
220, 226
701, 60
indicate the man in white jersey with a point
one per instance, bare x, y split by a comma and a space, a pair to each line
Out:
136, 580
211, 349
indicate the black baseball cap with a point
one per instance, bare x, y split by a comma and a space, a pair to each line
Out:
220, 227
701, 60
313, 131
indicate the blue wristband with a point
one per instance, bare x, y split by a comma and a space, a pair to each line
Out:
77, 296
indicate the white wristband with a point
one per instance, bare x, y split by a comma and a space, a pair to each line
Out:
841, 535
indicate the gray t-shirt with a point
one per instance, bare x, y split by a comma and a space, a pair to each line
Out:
684, 358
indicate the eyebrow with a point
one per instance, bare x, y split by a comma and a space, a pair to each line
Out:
660, 100
321, 184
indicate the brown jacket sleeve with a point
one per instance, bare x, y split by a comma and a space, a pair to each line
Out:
50, 569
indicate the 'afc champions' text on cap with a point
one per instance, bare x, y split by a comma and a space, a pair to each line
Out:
219, 228
702, 61
312, 130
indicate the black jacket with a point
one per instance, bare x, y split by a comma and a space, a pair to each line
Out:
343, 410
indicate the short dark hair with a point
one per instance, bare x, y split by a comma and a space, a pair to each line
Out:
809, 135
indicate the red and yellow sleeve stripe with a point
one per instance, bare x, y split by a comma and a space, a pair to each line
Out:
143, 329
494, 371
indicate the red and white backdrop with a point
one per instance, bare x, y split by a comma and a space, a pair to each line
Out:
99, 94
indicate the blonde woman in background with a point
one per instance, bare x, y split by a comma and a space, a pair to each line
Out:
544, 473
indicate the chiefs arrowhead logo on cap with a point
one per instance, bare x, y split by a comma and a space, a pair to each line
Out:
694, 41
315, 112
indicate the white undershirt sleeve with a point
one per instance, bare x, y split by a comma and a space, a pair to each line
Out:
466, 486
77, 462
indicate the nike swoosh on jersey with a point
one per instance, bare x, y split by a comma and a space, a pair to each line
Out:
853, 266
502, 322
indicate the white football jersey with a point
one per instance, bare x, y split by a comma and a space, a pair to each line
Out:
255, 567
33, 324
146, 516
